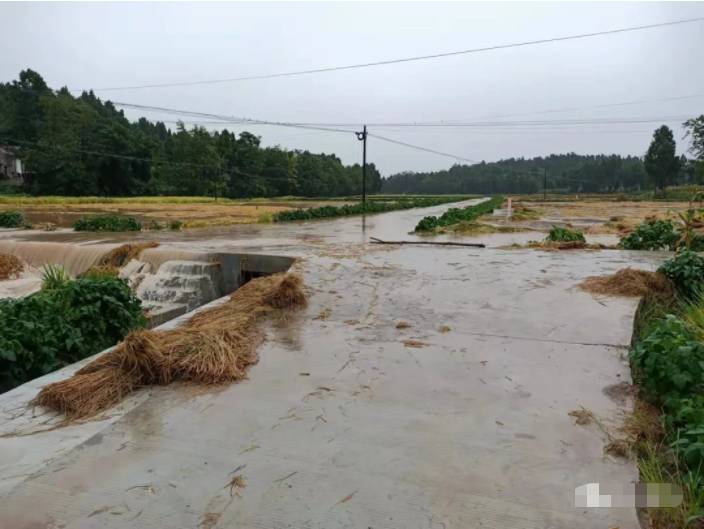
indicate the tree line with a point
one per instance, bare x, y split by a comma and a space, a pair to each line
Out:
84, 146
569, 173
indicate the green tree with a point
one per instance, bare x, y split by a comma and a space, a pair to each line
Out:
695, 131
661, 163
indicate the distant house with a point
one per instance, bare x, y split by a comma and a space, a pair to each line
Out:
11, 168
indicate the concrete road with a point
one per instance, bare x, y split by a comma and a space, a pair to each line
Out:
458, 421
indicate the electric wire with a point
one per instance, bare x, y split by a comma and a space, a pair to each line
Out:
405, 59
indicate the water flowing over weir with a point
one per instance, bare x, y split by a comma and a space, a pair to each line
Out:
169, 282
75, 258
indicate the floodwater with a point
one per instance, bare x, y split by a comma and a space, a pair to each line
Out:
342, 424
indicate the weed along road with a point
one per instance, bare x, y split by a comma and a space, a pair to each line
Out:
456, 418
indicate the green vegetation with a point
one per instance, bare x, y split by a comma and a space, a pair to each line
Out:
665, 235
667, 361
569, 173
661, 163
107, 223
84, 146
371, 206
686, 271
54, 277
560, 234
457, 215
651, 235
59, 326
11, 219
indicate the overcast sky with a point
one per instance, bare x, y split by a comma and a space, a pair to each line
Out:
85, 45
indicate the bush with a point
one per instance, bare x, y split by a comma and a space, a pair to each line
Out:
651, 235
107, 223
11, 219
686, 271
54, 328
668, 362
559, 234
175, 225
457, 215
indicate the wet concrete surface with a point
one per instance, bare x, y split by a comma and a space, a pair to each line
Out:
342, 424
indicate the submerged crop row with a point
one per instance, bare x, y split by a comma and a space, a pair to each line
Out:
371, 206
457, 215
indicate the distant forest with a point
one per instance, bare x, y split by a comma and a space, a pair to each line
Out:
565, 173
84, 146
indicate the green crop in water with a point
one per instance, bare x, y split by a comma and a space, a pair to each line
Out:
107, 223
559, 234
457, 215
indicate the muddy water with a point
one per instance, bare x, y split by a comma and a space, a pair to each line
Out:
75, 259
387, 226
341, 424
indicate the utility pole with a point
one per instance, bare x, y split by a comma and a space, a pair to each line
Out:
362, 136
545, 183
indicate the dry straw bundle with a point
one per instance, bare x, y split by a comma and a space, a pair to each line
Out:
10, 266
120, 256
629, 282
215, 346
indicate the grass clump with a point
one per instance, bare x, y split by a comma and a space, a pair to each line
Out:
214, 347
457, 215
58, 326
107, 223
12, 219
10, 266
561, 234
54, 277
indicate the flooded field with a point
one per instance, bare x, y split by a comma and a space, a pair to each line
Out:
470, 398
192, 213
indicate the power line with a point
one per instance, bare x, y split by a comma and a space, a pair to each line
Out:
405, 59
231, 119
419, 148
334, 127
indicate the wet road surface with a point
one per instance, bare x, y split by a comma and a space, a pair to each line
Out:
459, 420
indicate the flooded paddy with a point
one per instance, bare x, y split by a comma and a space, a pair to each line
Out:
341, 423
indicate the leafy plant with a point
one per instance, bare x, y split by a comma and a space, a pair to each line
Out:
560, 234
54, 277
668, 362
457, 215
686, 271
11, 219
52, 328
651, 235
107, 223
175, 225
